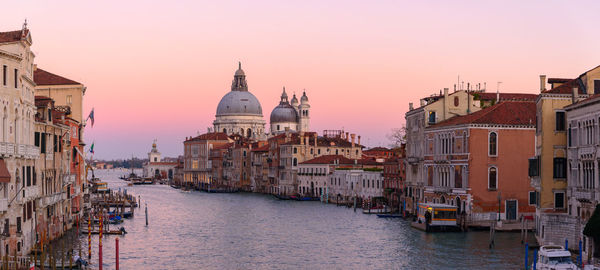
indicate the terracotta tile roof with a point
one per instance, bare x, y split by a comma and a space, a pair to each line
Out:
12, 36
329, 159
264, 148
164, 163
368, 161
591, 99
42, 77
566, 88
508, 96
213, 136
519, 113
224, 146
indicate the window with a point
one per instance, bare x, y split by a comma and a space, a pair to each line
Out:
559, 200
69, 99
532, 199
493, 144
492, 178
431, 117
560, 121
295, 162
295, 150
277, 127
16, 78
596, 87
560, 167
37, 139
4, 74
534, 167
456, 102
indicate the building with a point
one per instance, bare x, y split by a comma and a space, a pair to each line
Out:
158, 168
549, 167
432, 110
197, 170
475, 162
364, 184
260, 167
239, 112
295, 148
313, 174
290, 117
583, 183
17, 150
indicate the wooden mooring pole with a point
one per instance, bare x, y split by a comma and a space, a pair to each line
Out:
117, 252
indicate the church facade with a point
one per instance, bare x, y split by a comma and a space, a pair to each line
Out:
156, 167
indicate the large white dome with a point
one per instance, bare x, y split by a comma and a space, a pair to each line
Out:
239, 103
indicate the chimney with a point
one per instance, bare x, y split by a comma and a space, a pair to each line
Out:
315, 136
410, 106
347, 139
575, 94
542, 83
358, 139
353, 136
422, 102
446, 104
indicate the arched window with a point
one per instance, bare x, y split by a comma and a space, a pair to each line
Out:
295, 150
492, 178
249, 133
493, 144
224, 130
456, 102
295, 162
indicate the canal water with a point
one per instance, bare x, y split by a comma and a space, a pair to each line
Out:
197, 230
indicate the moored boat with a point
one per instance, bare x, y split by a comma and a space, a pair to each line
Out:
554, 257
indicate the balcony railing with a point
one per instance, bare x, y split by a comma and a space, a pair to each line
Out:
23, 150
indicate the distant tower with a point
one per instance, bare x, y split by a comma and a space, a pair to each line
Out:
304, 109
154, 155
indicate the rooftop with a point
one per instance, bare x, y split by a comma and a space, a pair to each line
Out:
12, 36
42, 77
213, 136
513, 113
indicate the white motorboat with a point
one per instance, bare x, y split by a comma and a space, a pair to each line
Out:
554, 258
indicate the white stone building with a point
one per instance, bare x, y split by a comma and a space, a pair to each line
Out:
17, 150
239, 112
583, 190
345, 184
313, 175
158, 168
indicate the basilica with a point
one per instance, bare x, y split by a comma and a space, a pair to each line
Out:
239, 112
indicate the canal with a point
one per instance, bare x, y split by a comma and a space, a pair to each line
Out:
196, 230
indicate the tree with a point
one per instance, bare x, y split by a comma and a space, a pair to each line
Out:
397, 137
592, 230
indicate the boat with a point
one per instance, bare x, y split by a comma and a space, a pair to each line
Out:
127, 214
282, 197
377, 210
175, 186
554, 257
436, 217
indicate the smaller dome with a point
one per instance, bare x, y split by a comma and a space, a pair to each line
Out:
284, 113
294, 100
304, 98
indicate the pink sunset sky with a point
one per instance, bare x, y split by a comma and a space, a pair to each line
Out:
157, 69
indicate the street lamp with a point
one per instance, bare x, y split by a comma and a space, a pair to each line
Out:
499, 198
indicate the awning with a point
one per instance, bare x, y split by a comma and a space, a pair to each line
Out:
4, 174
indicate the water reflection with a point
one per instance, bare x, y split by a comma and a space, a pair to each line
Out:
192, 230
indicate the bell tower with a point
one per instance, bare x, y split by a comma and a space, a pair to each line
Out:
303, 111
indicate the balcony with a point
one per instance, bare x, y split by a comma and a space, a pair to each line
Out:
53, 198
69, 179
584, 193
32, 192
7, 149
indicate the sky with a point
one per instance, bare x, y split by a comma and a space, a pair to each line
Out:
157, 69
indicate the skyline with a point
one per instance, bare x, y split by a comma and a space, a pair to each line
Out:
160, 73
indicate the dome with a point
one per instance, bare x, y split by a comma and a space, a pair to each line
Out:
239, 103
304, 98
294, 100
284, 113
